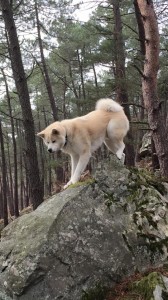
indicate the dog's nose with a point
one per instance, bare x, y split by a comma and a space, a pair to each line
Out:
50, 150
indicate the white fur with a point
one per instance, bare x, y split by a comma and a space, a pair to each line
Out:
108, 105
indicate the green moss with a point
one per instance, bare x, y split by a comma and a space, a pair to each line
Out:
97, 293
141, 189
147, 285
149, 179
110, 199
80, 183
139, 185
141, 289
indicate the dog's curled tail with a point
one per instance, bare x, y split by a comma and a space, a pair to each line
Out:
108, 105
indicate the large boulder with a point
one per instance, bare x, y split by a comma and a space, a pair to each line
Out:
95, 232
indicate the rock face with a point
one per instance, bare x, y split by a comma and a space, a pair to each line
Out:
96, 232
146, 148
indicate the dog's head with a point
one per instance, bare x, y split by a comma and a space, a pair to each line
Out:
54, 137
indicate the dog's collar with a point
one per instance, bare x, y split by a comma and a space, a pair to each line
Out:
66, 140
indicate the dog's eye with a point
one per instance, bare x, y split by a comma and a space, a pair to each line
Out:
53, 141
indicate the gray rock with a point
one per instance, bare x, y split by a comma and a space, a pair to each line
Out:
93, 232
4, 297
146, 148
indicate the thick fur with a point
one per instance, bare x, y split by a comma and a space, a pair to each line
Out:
81, 136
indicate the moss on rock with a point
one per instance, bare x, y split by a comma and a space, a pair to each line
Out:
97, 293
146, 286
81, 183
142, 193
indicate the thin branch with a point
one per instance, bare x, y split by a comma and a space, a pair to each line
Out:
31, 70
4, 113
17, 6
133, 104
130, 27
139, 122
140, 72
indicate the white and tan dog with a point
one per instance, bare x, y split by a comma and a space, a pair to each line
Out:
80, 136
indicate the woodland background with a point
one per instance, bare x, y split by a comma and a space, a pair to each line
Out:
54, 66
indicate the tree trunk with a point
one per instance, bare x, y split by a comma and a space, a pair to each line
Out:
4, 182
72, 81
16, 209
80, 63
149, 84
1, 198
141, 31
11, 202
45, 70
141, 34
22, 89
121, 89
21, 173
47, 80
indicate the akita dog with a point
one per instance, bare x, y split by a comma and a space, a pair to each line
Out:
81, 136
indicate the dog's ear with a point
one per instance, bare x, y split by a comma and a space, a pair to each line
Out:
41, 134
55, 132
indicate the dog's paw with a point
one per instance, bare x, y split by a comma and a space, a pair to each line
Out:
123, 158
67, 185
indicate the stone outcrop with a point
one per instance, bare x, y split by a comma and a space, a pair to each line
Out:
95, 232
146, 148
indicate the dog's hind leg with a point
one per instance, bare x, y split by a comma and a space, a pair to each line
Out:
110, 146
116, 147
119, 152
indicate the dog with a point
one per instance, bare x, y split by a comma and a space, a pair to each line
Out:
81, 136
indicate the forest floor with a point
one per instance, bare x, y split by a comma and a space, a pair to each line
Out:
126, 290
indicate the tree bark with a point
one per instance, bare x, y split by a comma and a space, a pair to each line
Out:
45, 70
10, 180
141, 34
121, 89
149, 84
16, 208
4, 182
47, 82
80, 63
22, 89
72, 81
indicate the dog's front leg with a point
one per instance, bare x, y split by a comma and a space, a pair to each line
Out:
74, 162
81, 165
